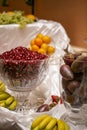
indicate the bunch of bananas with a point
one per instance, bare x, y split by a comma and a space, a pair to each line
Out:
47, 122
6, 100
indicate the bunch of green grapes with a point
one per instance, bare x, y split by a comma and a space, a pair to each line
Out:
16, 17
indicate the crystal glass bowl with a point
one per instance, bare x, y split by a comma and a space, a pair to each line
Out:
22, 70
23, 75
74, 87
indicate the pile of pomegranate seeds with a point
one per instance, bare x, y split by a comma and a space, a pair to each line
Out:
22, 63
22, 53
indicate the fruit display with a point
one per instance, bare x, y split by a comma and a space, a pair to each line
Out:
7, 101
46, 107
41, 43
74, 73
23, 68
16, 17
47, 122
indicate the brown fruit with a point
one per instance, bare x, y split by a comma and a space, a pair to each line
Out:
73, 85
66, 72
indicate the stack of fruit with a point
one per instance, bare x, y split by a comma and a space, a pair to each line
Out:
41, 44
16, 17
74, 81
47, 122
6, 100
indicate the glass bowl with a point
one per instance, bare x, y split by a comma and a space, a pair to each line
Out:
73, 73
22, 75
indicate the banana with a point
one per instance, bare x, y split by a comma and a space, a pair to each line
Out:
36, 128
13, 105
1, 92
61, 124
44, 123
51, 124
37, 121
2, 101
2, 104
55, 127
67, 126
9, 100
4, 96
2, 87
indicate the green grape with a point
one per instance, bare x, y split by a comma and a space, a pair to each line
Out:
17, 17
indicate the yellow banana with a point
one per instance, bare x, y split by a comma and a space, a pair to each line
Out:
4, 96
51, 124
44, 123
37, 121
36, 128
67, 127
13, 105
2, 104
55, 127
2, 101
1, 92
2, 87
61, 124
9, 100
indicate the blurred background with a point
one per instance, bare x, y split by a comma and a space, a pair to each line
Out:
72, 14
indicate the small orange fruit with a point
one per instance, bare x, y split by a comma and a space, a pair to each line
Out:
50, 50
40, 35
44, 46
30, 16
34, 48
32, 42
10, 12
46, 39
38, 41
42, 51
